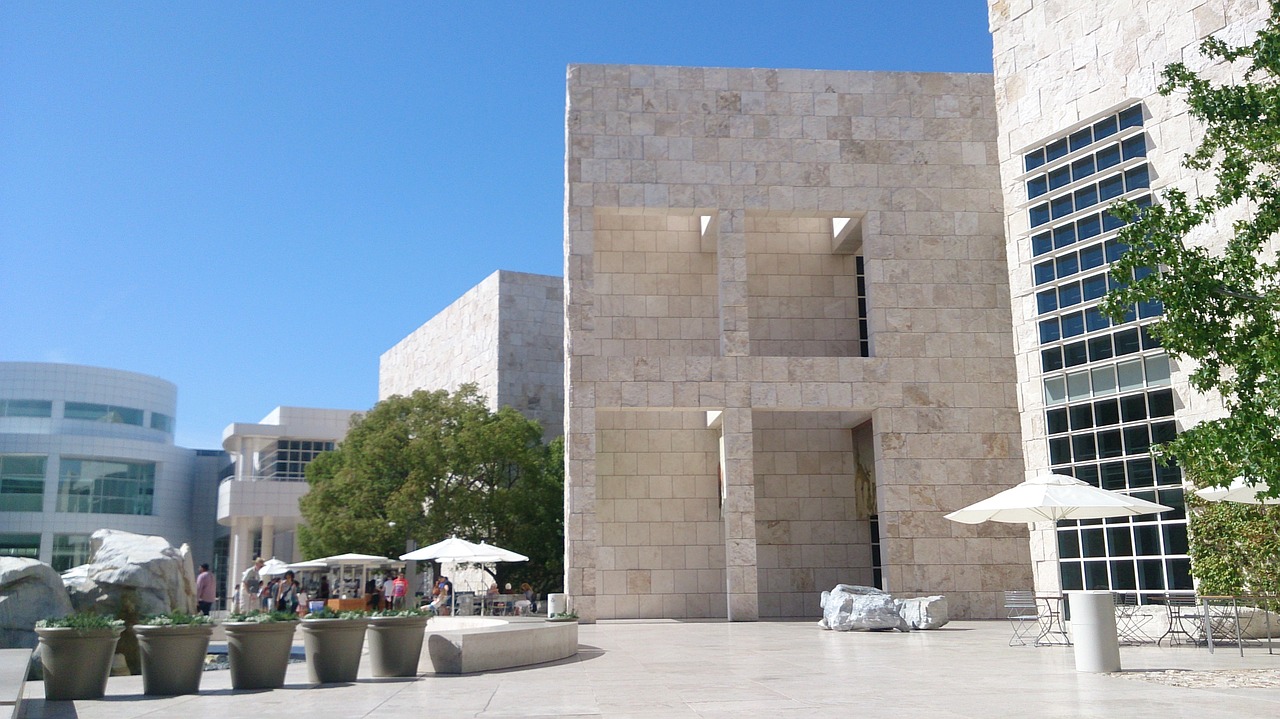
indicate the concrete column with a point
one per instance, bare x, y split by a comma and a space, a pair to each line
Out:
268, 537
741, 579
238, 555
731, 267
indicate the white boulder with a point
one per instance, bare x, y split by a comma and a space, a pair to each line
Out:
853, 608
924, 612
29, 591
131, 575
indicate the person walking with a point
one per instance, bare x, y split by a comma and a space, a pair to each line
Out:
251, 586
205, 594
399, 591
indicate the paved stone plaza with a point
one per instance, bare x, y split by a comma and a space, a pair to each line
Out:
665, 668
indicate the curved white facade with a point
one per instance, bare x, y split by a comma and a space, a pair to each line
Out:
85, 448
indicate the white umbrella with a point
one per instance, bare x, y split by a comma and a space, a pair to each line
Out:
1240, 490
308, 566
273, 567
498, 554
451, 550
1053, 497
351, 558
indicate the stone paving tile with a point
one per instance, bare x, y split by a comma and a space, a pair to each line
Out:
765, 669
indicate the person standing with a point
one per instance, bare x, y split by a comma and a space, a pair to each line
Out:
251, 586
399, 591
205, 595
286, 594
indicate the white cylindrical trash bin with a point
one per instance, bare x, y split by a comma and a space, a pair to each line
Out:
557, 604
1093, 631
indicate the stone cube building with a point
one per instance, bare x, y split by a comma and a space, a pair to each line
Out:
506, 335
789, 347
1081, 125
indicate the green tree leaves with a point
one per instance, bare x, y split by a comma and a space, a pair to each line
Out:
435, 464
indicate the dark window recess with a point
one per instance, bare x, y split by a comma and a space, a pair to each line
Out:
1104, 128
1057, 149
1044, 272
1082, 168
1094, 287
1111, 222
1137, 179
1061, 206
1049, 331
1080, 138
1163, 432
1086, 197
1060, 177
1087, 473
1081, 417
1126, 342
1075, 354
1059, 450
1135, 146
1175, 538
1092, 543
1041, 243
1095, 320
1146, 540
1150, 308
1051, 359
1168, 474
1039, 214
1072, 576
1115, 250
1131, 117
1141, 473
1111, 188
1056, 421
1149, 341
1032, 160
1099, 349
1065, 235
1073, 324
1137, 440
1068, 265
1109, 445
1106, 412
1047, 301
1121, 541
1108, 156
1161, 403
1133, 408
1068, 545
1037, 186
1069, 294
1112, 472
1090, 226
1083, 448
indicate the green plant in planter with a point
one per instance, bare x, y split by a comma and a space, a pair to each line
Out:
412, 612
175, 619
565, 615
262, 617
81, 620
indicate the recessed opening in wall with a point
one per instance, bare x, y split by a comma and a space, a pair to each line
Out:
661, 546
806, 296
655, 286
815, 497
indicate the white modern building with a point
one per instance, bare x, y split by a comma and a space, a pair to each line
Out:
1081, 125
258, 499
85, 448
505, 335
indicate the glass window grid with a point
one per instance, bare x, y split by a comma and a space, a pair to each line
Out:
1087, 364
22, 483
70, 550
26, 408
286, 460
97, 486
20, 544
102, 413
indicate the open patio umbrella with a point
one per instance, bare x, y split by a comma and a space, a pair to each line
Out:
498, 554
1240, 490
1053, 497
273, 568
311, 565
451, 550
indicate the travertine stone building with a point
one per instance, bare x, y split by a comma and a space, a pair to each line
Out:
787, 321
506, 335
1081, 124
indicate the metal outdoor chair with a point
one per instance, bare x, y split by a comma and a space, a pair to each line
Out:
1129, 620
1184, 621
1024, 615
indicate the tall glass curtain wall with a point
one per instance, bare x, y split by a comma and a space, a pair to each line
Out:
1106, 385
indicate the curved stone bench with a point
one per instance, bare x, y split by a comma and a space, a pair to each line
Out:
462, 645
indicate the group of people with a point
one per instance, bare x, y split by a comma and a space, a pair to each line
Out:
527, 605
271, 594
391, 592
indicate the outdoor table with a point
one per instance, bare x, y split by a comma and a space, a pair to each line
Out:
1053, 620
1217, 622
347, 605
1181, 609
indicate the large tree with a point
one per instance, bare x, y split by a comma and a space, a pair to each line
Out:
1215, 263
435, 464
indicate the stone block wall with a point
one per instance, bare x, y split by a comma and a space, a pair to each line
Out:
705, 274
506, 335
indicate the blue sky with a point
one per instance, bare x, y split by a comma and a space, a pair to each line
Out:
256, 200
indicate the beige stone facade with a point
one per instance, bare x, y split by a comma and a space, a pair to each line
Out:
1061, 68
786, 314
506, 335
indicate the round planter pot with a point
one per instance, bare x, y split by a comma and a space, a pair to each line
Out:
76, 662
259, 653
333, 649
395, 645
172, 657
